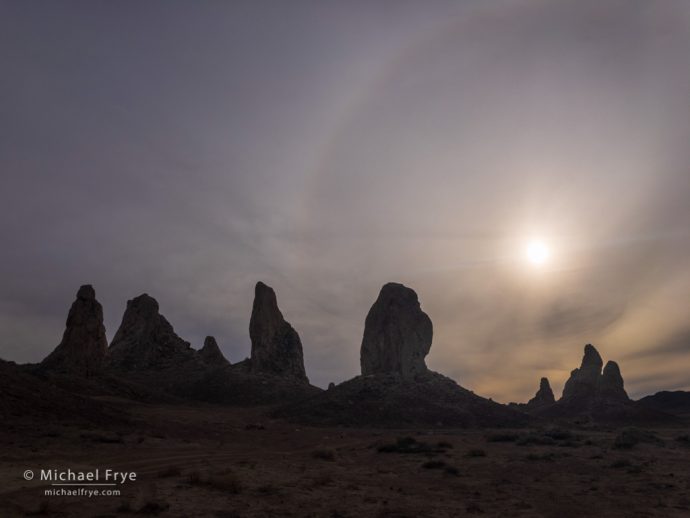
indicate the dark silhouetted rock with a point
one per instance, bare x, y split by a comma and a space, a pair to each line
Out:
146, 340
210, 353
673, 402
396, 389
397, 334
592, 396
583, 382
276, 347
84, 347
389, 401
544, 395
611, 383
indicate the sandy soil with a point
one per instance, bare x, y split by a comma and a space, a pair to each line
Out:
216, 461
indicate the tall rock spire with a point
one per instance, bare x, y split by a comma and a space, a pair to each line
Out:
397, 334
84, 346
544, 395
276, 346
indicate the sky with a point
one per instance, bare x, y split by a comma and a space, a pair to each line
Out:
190, 149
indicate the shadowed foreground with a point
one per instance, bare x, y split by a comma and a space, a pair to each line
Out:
226, 462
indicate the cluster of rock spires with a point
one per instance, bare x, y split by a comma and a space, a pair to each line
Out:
587, 387
589, 382
395, 386
146, 341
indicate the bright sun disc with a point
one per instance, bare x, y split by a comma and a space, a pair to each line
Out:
537, 253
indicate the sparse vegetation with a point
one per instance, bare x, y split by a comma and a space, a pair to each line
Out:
322, 479
434, 464
558, 434
620, 463
409, 445
224, 480
683, 440
170, 471
440, 465
153, 507
631, 437
323, 454
547, 457
535, 439
503, 437
477, 452
102, 438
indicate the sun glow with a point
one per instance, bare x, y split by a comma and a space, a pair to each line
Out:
537, 252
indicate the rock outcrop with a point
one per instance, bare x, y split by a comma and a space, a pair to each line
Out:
146, 340
276, 346
84, 347
544, 395
611, 383
397, 334
210, 353
593, 396
588, 383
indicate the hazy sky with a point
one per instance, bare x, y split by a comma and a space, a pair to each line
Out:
189, 149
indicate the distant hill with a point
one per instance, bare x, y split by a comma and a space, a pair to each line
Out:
672, 402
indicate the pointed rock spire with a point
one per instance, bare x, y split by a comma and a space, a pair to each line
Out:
611, 384
146, 340
84, 346
397, 334
583, 381
210, 353
276, 346
544, 395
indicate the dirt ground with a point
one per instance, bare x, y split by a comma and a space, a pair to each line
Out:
203, 460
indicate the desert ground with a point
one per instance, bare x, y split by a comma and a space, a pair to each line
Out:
201, 460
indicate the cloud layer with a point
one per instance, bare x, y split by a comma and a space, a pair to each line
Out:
189, 150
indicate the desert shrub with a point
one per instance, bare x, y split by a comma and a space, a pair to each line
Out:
44, 508
620, 463
535, 439
631, 437
322, 479
170, 471
439, 464
225, 481
558, 434
548, 457
102, 438
194, 477
683, 440
434, 464
323, 454
502, 437
444, 445
476, 453
408, 445
268, 489
153, 507
451, 470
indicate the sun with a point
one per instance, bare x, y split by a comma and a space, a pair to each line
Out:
537, 252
